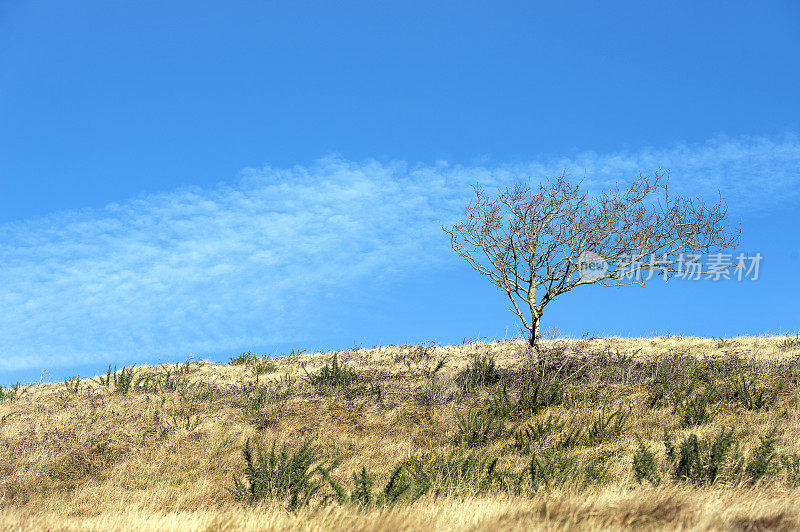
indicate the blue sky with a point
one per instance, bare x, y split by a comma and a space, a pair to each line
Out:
209, 178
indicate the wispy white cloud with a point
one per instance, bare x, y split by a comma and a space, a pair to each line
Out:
199, 270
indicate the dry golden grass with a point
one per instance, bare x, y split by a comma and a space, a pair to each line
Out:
162, 460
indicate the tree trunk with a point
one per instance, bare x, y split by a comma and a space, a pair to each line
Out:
534, 339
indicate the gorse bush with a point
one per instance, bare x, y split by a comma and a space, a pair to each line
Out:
675, 385
13, 392
293, 478
557, 434
692, 406
790, 343
259, 365
534, 396
72, 384
479, 472
791, 466
400, 483
296, 478
263, 406
256, 400
535, 434
573, 436
552, 467
245, 359
695, 410
183, 415
333, 376
167, 380
724, 342
432, 392
362, 495
482, 371
605, 428
478, 427
753, 397
263, 367
176, 420
122, 380
645, 466
764, 459
502, 404
300, 477
704, 462
539, 394
454, 473
362, 488
696, 407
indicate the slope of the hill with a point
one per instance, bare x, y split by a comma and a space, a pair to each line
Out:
657, 433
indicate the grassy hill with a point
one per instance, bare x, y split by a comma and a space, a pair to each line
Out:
657, 433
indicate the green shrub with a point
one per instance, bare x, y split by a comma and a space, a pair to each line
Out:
644, 465
656, 397
534, 396
595, 470
762, 460
790, 343
182, 419
502, 404
362, 489
263, 367
375, 390
536, 433
107, 380
605, 428
71, 384
482, 371
431, 392
790, 464
122, 380
539, 394
13, 392
254, 403
695, 411
704, 462
245, 359
691, 406
332, 377
723, 342
754, 397
478, 428
167, 380
453, 473
184, 368
572, 437
602, 429
361, 493
293, 478
552, 468
182, 416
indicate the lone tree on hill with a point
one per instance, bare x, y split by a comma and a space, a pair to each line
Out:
539, 246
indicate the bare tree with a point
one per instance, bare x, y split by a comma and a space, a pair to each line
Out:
539, 246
